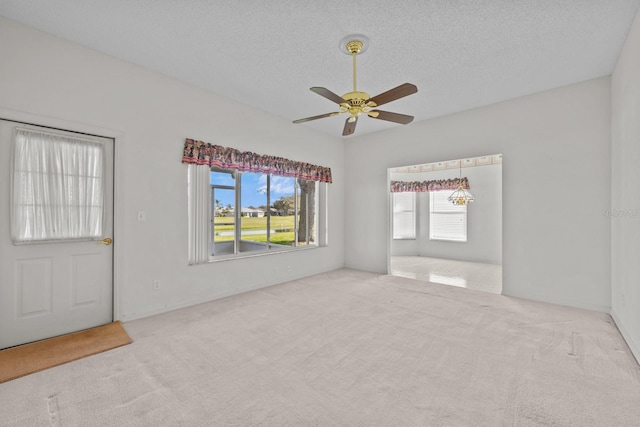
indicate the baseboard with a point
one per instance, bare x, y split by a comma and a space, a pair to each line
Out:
128, 317
558, 301
633, 346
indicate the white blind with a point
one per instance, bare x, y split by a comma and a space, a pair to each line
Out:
199, 212
404, 215
446, 220
58, 188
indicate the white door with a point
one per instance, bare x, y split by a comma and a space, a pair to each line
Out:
54, 288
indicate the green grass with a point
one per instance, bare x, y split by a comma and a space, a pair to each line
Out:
276, 238
278, 226
277, 222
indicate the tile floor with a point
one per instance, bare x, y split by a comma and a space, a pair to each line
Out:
471, 275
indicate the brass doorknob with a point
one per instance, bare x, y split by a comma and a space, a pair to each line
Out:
107, 241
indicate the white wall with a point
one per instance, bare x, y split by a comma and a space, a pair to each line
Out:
625, 191
556, 185
57, 82
484, 218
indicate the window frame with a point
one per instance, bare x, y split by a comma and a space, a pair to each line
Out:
395, 209
320, 231
451, 209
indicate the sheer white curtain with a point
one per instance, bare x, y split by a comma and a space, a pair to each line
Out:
58, 188
199, 184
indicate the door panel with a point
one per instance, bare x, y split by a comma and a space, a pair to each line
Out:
50, 289
87, 275
33, 283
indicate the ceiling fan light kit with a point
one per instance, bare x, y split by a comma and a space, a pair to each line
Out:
356, 103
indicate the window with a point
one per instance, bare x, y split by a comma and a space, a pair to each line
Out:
447, 221
254, 212
299, 202
404, 215
58, 187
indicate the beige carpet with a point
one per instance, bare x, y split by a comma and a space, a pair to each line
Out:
26, 359
347, 348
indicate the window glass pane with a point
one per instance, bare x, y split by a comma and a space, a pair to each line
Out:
222, 177
404, 215
282, 211
223, 211
306, 214
253, 221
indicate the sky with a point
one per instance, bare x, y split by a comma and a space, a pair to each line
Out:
254, 187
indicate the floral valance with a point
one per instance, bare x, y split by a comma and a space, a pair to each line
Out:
202, 153
426, 186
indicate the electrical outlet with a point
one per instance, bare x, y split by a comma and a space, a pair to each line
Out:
156, 285
289, 269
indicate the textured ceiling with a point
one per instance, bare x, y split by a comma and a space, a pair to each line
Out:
460, 53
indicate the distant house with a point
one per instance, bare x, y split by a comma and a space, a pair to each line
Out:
245, 212
223, 212
253, 212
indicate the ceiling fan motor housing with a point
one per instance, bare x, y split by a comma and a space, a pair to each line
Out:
357, 98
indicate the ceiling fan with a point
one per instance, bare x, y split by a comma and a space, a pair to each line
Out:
356, 103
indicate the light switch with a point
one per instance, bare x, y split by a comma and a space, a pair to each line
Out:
142, 216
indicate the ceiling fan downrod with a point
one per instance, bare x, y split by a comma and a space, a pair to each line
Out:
357, 102
354, 46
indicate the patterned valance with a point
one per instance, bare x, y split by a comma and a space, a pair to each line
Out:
202, 153
426, 186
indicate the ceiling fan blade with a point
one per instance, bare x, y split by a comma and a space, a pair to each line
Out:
321, 116
328, 94
390, 117
349, 127
401, 91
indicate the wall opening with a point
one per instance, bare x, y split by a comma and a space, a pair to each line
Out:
433, 240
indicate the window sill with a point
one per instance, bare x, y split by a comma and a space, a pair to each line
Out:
253, 254
447, 240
